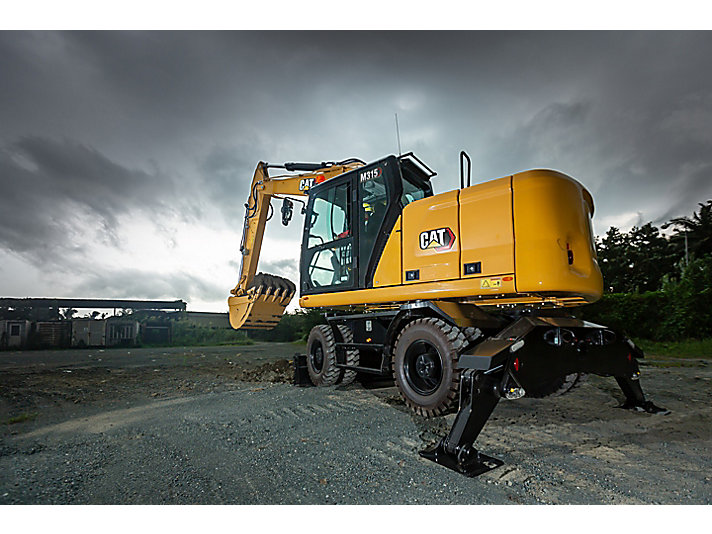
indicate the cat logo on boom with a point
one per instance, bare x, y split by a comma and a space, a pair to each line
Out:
440, 240
306, 184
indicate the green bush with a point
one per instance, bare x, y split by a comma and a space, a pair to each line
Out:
293, 326
689, 348
638, 315
187, 334
689, 310
681, 310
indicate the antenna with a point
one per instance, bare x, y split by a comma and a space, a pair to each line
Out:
400, 152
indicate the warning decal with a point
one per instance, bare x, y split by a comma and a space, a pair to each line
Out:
490, 283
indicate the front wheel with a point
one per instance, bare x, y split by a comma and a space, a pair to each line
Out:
321, 357
425, 365
352, 356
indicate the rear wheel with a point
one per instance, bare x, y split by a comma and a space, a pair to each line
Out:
425, 365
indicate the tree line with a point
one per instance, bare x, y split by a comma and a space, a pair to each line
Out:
658, 286
644, 259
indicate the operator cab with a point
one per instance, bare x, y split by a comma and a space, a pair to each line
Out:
349, 219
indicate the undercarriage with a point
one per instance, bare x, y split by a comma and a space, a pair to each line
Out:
447, 357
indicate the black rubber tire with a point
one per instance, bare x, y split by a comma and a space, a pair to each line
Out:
352, 356
448, 341
328, 374
473, 336
557, 387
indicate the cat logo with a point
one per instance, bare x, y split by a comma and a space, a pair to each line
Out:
305, 184
440, 240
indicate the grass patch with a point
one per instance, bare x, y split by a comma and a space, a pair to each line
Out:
692, 348
186, 334
21, 418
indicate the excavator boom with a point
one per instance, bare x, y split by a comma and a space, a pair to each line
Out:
259, 300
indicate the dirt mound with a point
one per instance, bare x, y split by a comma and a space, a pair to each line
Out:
280, 371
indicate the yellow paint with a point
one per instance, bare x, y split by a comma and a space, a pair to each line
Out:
490, 283
264, 187
460, 288
552, 211
431, 214
256, 310
486, 227
388, 272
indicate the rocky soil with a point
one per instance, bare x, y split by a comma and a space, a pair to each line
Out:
233, 430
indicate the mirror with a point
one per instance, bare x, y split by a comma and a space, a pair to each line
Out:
287, 210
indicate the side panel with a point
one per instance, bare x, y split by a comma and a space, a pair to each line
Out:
487, 235
388, 272
554, 248
448, 289
431, 239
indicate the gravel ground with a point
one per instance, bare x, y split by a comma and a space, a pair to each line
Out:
228, 428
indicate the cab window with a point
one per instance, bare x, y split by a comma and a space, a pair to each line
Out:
329, 256
373, 204
329, 217
331, 266
412, 192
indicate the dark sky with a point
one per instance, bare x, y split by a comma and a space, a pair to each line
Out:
125, 157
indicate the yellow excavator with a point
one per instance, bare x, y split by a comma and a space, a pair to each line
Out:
462, 297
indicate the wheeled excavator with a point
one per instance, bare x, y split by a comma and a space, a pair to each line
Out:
463, 297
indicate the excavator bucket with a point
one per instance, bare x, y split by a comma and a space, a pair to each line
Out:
263, 304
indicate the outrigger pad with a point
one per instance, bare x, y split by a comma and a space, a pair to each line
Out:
475, 465
646, 406
635, 399
301, 374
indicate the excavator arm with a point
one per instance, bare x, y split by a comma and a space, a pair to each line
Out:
259, 300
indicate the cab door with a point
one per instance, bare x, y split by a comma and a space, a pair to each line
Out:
374, 204
328, 262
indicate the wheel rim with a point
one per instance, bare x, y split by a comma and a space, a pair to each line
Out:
316, 356
423, 367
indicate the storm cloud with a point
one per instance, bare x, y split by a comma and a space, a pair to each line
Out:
131, 281
126, 157
52, 189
